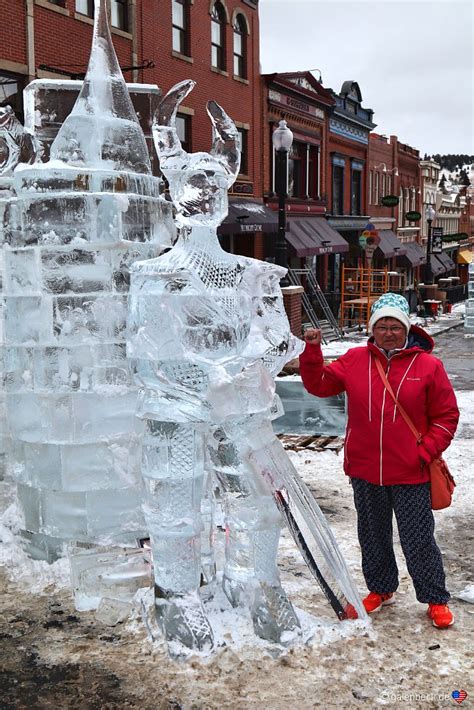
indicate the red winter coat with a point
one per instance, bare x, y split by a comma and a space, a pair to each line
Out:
379, 446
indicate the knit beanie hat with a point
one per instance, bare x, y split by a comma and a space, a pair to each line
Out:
390, 305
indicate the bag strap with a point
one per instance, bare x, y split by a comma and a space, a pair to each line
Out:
389, 389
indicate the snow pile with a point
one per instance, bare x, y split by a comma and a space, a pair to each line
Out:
233, 627
35, 576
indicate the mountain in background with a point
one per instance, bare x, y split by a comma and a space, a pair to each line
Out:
454, 162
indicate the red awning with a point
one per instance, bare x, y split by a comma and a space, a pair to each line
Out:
312, 236
248, 215
390, 245
415, 254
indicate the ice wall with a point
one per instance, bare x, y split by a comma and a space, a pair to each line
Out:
85, 216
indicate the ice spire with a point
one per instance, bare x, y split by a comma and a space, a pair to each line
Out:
102, 130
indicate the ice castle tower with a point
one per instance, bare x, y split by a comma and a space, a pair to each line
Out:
85, 216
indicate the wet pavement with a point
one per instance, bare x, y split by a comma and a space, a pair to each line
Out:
457, 354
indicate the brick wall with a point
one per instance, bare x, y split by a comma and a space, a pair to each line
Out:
292, 303
382, 151
63, 41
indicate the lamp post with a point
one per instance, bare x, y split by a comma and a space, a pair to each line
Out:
430, 215
282, 139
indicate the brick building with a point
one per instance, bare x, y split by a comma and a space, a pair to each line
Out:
391, 175
305, 105
348, 145
215, 43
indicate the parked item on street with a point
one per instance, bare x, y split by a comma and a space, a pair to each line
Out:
389, 468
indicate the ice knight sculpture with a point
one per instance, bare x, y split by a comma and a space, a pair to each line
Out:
85, 216
207, 333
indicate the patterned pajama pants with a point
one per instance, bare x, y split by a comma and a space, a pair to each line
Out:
375, 506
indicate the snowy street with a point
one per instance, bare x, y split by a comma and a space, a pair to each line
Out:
55, 657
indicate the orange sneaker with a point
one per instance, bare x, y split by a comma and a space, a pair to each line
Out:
440, 615
374, 602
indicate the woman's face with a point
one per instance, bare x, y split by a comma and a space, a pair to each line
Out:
389, 334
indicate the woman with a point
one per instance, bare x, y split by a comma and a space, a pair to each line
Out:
387, 467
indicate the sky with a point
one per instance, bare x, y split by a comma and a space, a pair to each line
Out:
413, 61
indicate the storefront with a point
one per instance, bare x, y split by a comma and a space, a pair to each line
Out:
244, 228
464, 258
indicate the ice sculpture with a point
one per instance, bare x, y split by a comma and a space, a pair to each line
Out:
207, 334
85, 216
16, 145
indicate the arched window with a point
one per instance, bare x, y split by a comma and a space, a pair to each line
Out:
180, 22
218, 22
240, 47
406, 205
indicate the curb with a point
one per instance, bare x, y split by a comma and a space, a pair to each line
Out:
448, 328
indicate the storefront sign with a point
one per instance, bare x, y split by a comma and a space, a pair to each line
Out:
242, 188
413, 216
297, 104
390, 201
437, 240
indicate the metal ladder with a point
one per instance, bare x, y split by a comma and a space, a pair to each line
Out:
329, 326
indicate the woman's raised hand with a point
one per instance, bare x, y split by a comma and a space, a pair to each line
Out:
313, 336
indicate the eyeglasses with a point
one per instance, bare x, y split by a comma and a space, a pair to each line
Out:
395, 329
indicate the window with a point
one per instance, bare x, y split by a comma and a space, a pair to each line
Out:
244, 164
356, 182
240, 47
406, 204
337, 189
85, 7
11, 92
180, 26
218, 21
371, 180
183, 129
312, 173
384, 184
119, 14
389, 184
296, 179
376, 190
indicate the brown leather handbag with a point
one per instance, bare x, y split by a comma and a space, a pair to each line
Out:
442, 482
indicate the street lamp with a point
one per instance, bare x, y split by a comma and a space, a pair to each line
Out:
430, 215
282, 139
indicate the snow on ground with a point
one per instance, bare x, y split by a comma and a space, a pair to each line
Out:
401, 660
